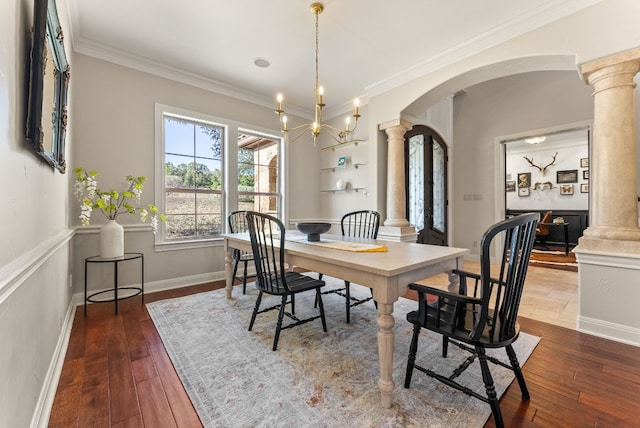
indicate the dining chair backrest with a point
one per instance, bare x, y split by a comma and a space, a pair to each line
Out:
502, 283
238, 222
267, 242
361, 224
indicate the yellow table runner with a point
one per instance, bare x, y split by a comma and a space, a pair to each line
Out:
357, 247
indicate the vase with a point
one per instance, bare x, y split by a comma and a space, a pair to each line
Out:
111, 240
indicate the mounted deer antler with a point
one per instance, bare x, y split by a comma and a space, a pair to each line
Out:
542, 169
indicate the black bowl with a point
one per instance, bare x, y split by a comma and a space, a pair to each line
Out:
313, 230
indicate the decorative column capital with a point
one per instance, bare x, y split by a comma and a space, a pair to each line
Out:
395, 128
612, 71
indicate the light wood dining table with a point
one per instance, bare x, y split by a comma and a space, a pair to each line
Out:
386, 273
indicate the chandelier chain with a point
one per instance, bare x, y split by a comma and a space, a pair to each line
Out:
317, 42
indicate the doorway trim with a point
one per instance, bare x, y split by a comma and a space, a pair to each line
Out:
500, 208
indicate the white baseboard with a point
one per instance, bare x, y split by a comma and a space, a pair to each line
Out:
165, 284
43, 407
608, 330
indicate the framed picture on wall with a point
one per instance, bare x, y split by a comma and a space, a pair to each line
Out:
524, 180
568, 176
523, 191
510, 186
585, 174
584, 188
584, 163
566, 189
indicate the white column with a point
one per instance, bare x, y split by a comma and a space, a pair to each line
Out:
396, 198
608, 254
613, 169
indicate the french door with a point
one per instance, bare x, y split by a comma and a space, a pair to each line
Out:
426, 184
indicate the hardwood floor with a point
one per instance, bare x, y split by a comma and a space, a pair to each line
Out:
117, 373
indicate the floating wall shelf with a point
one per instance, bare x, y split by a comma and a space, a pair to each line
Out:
351, 165
343, 145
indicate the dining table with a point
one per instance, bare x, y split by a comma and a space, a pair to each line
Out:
387, 267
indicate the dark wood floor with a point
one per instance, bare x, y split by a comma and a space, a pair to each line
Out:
117, 374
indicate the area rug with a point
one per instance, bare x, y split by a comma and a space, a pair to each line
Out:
314, 379
553, 257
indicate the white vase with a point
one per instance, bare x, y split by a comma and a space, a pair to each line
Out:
111, 240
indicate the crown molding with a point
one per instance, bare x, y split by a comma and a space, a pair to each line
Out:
550, 12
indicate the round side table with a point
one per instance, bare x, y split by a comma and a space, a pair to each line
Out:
115, 261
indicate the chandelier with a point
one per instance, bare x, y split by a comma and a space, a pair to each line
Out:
339, 135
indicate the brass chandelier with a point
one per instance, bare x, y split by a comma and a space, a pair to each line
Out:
339, 135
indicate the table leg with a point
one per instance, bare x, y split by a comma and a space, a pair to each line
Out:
228, 271
115, 285
454, 280
385, 352
85, 288
566, 239
142, 277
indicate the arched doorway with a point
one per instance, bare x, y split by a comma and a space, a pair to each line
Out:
426, 184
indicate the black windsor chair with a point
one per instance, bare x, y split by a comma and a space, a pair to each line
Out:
268, 244
486, 318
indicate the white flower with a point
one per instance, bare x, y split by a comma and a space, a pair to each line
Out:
154, 224
111, 203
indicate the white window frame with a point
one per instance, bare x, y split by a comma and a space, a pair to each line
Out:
229, 171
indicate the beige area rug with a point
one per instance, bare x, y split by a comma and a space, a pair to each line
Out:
314, 379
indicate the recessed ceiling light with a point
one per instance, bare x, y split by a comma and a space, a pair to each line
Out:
261, 62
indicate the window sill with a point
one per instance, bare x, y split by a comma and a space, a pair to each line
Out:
188, 245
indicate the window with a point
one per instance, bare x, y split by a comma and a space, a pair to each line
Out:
203, 173
258, 181
193, 179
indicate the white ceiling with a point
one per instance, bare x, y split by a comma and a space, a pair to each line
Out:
364, 46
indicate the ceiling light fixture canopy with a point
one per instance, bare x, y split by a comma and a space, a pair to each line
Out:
317, 125
534, 140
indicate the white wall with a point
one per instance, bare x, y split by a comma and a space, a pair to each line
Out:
35, 252
568, 157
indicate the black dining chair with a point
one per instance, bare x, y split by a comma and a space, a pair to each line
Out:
358, 224
482, 317
268, 245
238, 224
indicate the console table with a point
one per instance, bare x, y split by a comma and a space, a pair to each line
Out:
115, 261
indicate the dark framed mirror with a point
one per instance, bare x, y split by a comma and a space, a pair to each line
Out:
48, 86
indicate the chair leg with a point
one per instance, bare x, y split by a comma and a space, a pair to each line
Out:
293, 304
411, 361
244, 278
321, 306
517, 371
445, 346
348, 299
374, 300
315, 304
255, 310
490, 387
279, 323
